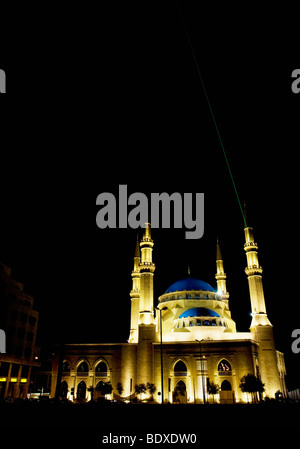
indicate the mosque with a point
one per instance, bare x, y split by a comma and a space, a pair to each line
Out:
187, 343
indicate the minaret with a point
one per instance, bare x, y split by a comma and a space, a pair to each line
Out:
146, 269
146, 326
220, 275
260, 324
254, 274
135, 295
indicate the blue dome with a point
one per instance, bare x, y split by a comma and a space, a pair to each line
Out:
198, 311
189, 284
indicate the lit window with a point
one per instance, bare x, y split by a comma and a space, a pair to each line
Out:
224, 368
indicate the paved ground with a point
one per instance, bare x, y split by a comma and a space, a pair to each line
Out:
148, 417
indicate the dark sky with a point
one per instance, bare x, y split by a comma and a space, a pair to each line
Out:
99, 98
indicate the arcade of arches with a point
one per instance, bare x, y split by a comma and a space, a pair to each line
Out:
78, 379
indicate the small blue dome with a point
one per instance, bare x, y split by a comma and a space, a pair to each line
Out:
189, 284
198, 311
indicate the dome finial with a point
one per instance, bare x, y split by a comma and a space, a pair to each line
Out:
219, 255
189, 272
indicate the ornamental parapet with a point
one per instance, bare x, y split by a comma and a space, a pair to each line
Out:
147, 266
250, 245
254, 269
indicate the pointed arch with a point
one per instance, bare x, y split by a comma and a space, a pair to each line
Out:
226, 385
64, 389
185, 367
224, 367
66, 367
180, 367
79, 361
101, 369
180, 392
82, 368
81, 390
181, 385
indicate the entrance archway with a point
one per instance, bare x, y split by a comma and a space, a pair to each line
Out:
226, 385
179, 393
226, 393
81, 391
64, 390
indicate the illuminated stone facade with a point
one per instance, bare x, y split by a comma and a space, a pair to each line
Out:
199, 344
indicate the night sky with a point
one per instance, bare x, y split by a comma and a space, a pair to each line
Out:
99, 98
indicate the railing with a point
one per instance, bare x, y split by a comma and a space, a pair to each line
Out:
225, 373
101, 374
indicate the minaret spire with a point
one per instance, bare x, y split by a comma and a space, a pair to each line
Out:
220, 275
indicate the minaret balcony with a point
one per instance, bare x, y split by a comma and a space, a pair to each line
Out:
253, 269
146, 242
147, 266
250, 245
134, 294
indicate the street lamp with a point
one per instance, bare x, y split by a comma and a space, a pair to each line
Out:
161, 355
202, 371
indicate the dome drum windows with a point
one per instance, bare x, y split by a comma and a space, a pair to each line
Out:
200, 316
199, 322
189, 295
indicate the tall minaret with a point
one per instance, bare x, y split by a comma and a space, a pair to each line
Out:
220, 275
260, 324
135, 295
146, 326
146, 269
254, 274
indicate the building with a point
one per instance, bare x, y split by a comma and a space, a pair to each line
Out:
191, 335
18, 322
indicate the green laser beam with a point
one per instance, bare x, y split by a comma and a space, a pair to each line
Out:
213, 116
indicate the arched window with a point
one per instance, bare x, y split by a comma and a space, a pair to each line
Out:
180, 368
101, 370
81, 390
66, 368
83, 369
224, 368
63, 389
225, 385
